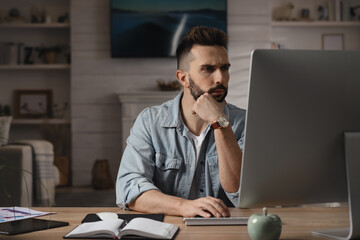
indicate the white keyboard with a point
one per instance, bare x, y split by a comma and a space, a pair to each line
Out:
216, 221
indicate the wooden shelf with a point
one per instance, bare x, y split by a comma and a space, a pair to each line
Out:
35, 25
35, 67
40, 121
314, 24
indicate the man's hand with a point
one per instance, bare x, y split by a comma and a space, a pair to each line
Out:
207, 108
205, 207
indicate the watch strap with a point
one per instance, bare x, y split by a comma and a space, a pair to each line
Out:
215, 125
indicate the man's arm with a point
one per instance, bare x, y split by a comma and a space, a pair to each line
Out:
229, 157
229, 152
154, 201
135, 189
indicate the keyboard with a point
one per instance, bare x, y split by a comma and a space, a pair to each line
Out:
200, 221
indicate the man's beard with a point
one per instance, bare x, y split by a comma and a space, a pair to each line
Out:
196, 91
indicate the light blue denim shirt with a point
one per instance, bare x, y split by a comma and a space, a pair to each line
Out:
160, 155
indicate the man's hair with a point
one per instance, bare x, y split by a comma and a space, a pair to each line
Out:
200, 35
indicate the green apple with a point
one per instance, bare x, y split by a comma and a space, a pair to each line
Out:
264, 226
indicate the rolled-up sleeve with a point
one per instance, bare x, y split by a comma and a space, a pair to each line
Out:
137, 164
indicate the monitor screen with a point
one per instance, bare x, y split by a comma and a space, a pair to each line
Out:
300, 103
143, 28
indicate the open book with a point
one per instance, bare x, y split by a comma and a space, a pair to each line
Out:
112, 228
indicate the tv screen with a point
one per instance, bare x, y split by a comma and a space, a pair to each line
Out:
154, 28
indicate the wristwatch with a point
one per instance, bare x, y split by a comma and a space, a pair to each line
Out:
222, 122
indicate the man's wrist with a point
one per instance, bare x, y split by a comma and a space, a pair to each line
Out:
221, 122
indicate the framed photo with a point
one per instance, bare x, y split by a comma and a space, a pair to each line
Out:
333, 41
33, 103
143, 28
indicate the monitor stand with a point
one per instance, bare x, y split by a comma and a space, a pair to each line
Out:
352, 159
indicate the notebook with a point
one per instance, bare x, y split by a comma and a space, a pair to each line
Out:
119, 228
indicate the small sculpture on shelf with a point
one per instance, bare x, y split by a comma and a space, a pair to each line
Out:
59, 111
63, 18
48, 53
283, 13
5, 110
323, 13
14, 16
305, 15
353, 13
38, 14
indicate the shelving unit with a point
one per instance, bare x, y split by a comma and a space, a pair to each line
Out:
41, 121
36, 67
37, 75
314, 24
34, 25
296, 34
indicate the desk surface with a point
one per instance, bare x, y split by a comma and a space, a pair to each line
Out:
297, 223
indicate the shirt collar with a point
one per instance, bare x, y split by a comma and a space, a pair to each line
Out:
172, 113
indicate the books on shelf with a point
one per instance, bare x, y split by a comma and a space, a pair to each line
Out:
118, 228
15, 53
339, 10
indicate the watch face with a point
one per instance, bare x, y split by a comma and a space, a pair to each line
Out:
223, 121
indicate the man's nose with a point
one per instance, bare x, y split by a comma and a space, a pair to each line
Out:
219, 76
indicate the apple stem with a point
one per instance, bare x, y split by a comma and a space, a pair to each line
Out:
265, 211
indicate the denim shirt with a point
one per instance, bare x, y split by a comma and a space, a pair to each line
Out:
160, 155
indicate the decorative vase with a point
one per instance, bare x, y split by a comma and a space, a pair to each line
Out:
49, 57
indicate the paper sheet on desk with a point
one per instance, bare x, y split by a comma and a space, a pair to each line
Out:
8, 214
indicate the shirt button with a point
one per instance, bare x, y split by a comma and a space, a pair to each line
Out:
202, 162
163, 165
201, 190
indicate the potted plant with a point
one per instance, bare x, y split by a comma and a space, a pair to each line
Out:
48, 53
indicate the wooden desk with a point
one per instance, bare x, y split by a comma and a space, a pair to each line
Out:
297, 223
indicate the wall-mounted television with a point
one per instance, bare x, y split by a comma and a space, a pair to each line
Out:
154, 28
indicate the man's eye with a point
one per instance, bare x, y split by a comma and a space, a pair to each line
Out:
225, 68
209, 68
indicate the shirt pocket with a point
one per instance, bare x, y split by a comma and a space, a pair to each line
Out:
167, 174
167, 162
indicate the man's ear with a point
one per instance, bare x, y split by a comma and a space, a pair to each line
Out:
181, 76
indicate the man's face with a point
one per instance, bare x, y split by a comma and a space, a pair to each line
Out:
209, 72
219, 92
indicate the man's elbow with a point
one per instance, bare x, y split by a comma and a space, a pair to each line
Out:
231, 188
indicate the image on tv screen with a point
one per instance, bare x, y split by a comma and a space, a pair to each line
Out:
154, 28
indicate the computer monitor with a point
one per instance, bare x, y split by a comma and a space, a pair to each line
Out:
300, 104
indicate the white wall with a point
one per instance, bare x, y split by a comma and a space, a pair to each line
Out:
96, 77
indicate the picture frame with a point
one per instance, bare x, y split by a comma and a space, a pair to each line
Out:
33, 103
333, 41
151, 29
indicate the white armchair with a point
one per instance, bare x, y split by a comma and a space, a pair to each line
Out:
16, 180
29, 172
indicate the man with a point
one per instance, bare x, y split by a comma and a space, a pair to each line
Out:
183, 158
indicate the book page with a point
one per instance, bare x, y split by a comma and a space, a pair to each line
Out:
149, 228
106, 228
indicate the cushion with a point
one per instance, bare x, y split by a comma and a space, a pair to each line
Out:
5, 122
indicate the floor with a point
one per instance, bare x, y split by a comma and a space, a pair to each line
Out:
84, 197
